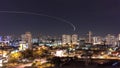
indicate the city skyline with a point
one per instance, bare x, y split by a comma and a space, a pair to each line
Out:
101, 17
59, 33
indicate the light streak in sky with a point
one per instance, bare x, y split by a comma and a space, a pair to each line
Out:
32, 13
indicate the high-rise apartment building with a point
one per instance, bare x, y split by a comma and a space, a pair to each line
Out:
97, 40
111, 40
90, 37
28, 39
74, 39
118, 40
66, 39
119, 37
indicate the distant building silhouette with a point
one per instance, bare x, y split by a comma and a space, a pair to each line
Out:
90, 37
28, 39
111, 40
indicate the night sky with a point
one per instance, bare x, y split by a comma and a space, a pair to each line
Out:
99, 16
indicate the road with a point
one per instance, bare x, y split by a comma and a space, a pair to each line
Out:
23, 65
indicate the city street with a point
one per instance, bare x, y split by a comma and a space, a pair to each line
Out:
24, 65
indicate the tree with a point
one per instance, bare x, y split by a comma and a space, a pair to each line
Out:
28, 54
14, 57
39, 53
